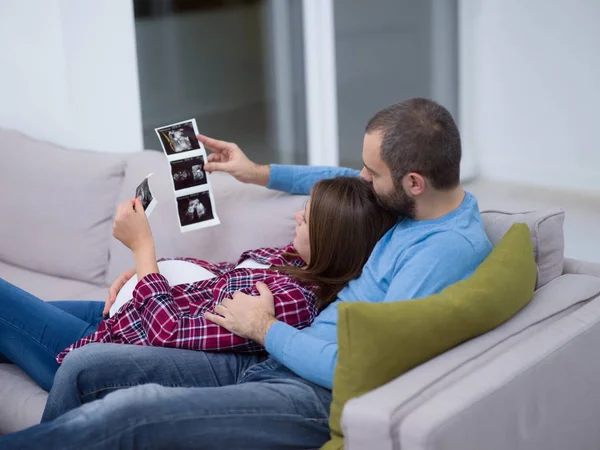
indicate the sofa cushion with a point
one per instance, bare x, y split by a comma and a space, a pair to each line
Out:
49, 287
22, 401
251, 217
546, 227
57, 207
380, 341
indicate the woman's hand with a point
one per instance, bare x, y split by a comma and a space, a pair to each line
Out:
131, 226
115, 288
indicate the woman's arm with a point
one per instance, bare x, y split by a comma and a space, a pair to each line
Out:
131, 227
145, 259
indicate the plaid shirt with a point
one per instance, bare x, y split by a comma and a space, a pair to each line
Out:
173, 316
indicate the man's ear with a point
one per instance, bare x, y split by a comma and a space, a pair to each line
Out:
415, 183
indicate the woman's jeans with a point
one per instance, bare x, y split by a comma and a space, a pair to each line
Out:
34, 332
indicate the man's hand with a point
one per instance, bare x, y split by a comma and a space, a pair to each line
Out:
131, 225
228, 157
245, 315
114, 290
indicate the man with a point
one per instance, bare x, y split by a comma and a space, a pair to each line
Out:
184, 399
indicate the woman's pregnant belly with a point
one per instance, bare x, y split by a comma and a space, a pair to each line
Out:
176, 272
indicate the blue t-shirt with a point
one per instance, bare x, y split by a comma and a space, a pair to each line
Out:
414, 259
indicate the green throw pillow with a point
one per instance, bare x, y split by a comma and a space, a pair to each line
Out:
378, 342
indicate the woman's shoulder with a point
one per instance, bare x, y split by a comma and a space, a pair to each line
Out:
274, 256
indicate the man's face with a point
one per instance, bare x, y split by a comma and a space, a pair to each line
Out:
375, 171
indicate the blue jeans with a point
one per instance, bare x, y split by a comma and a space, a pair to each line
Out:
135, 397
33, 332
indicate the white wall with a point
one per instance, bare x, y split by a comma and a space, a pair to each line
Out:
69, 72
530, 95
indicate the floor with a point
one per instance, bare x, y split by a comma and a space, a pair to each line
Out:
582, 218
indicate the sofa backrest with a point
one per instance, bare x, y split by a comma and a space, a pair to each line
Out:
60, 205
57, 207
251, 216
546, 227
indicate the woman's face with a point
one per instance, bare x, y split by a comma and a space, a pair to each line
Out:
301, 239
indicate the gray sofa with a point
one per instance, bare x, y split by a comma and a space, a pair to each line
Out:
532, 383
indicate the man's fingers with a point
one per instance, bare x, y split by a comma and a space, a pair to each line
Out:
237, 294
215, 167
214, 318
263, 289
220, 310
215, 157
213, 144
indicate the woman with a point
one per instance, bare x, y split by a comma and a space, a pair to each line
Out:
334, 237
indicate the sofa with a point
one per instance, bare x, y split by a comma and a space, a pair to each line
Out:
531, 383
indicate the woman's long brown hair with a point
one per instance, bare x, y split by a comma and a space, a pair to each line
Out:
345, 223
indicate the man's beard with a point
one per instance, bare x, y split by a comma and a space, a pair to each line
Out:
398, 202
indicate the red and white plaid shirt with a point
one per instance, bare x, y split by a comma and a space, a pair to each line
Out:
173, 316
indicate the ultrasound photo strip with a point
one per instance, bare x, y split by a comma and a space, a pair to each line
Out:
188, 174
196, 211
179, 140
194, 198
145, 194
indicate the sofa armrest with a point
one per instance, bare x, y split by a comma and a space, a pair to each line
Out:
581, 267
379, 415
542, 394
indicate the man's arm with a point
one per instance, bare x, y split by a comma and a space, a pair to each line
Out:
425, 269
439, 261
311, 357
254, 318
228, 157
300, 179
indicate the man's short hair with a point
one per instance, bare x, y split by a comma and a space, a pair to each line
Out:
419, 135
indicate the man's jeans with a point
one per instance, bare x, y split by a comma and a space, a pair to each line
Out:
160, 398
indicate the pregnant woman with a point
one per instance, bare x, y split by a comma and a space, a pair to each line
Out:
334, 237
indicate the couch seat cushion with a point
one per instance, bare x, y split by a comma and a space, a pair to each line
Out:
22, 400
